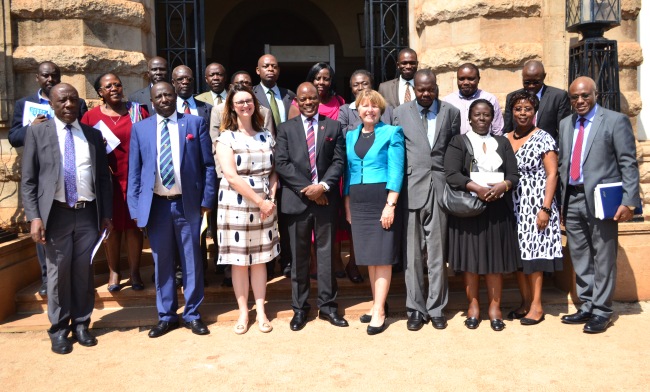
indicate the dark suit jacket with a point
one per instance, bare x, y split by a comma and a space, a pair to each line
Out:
609, 156
203, 110
390, 91
292, 161
553, 107
143, 96
17, 131
287, 98
425, 165
198, 178
41, 168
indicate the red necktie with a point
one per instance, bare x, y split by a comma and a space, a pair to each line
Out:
576, 156
311, 147
186, 108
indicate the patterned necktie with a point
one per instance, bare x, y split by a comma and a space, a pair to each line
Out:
69, 168
311, 147
166, 162
274, 107
219, 100
186, 108
576, 155
407, 93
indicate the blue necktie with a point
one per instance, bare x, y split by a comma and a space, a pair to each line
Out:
69, 168
166, 162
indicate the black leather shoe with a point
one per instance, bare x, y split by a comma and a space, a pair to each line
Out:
513, 315
416, 321
439, 322
376, 330
197, 327
529, 321
365, 318
84, 337
578, 317
472, 322
333, 319
61, 345
497, 325
42, 291
162, 328
287, 271
597, 324
298, 321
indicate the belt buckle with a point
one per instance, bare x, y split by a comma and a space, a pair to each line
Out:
79, 205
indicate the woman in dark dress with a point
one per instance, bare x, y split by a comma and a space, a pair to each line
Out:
118, 115
373, 180
485, 244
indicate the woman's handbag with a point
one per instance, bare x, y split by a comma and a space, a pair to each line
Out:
462, 203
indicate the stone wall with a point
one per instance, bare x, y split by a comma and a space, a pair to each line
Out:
85, 39
499, 36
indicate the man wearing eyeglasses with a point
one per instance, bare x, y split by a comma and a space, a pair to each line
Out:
400, 90
554, 103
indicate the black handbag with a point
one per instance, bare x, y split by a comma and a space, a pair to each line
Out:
458, 202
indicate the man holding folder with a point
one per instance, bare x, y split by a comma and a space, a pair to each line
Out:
596, 146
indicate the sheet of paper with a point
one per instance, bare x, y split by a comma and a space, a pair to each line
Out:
204, 223
98, 244
33, 109
485, 178
111, 140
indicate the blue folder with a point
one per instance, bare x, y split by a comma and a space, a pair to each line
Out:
607, 199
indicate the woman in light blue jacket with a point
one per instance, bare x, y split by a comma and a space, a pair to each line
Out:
373, 180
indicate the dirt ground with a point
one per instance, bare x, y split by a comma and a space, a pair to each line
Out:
549, 356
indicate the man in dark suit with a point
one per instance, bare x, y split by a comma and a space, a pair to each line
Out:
429, 125
310, 157
400, 90
157, 72
596, 146
278, 101
215, 77
48, 76
553, 102
171, 185
68, 198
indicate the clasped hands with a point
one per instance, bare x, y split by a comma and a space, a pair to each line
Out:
492, 192
315, 193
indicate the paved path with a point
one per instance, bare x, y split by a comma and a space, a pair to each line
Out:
550, 356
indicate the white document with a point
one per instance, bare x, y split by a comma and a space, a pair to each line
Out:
204, 223
485, 178
33, 109
111, 140
98, 244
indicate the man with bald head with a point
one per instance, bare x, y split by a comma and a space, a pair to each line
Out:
183, 82
597, 146
68, 198
47, 76
157, 71
553, 102
310, 157
400, 90
276, 99
215, 77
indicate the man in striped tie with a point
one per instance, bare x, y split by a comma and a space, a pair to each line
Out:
171, 185
310, 157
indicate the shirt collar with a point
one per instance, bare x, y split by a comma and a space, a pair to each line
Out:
173, 118
541, 92
304, 118
471, 97
403, 81
353, 105
589, 116
42, 99
61, 125
275, 89
432, 109
190, 101
215, 95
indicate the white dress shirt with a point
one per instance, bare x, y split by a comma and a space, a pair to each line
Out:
278, 100
172, 125
85, 183
305, 124
190, 102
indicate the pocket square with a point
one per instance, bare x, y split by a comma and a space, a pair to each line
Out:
329, 139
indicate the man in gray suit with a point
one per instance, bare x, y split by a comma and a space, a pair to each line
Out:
429, 125
68, 198
596, 146
400, 89
553, 102
157, 72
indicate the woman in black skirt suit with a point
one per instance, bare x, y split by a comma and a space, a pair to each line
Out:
373, 180
485, 244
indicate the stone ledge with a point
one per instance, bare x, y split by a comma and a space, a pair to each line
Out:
629, 54
436, 11
124, 12
484, 55
80, 59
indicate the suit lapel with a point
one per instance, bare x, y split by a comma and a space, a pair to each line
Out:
182, 134
320, 135
440, 118
54, 142
259, 93
595, 128
417, 119
396, 89
92, 147
567, 141
542, 104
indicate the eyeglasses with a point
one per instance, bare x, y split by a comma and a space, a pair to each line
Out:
110, 86
532, 82
577, 96
244, 102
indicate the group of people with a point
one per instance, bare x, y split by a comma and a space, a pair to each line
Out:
286, 176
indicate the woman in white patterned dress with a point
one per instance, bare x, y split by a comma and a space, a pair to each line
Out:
247, 233
538, 220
